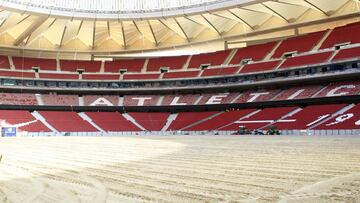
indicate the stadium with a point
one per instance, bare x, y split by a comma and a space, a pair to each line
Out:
179, 101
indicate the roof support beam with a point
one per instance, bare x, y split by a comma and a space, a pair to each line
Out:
152, 33
212, 25
123, 34
316, 7
182, 30
241, 20
275, 12
29, 30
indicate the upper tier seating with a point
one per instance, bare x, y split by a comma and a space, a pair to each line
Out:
17, 74
145, 100
340, 89
17, 99
87, 66
141, 76
307, 117
99, 100
131, 65
151, 121
181, 74
100, 76
255, 52
173, 63
299, 44
219, 71
298, 92
23, 63
308, 59
66, 76
184, 99
67, 121
185, 119
60, 100
215, 59
343, 34
257, 96
260, 66
4, 62
220, 98
220, 120
347, 53
112, 121
347, 120
24, 119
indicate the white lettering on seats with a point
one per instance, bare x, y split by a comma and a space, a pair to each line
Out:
101, 102
216, 99
257, 95
318, 120
297, 93
175, 102
141, 100
341, 119
334, 92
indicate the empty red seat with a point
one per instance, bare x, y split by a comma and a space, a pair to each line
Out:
214, 59
141, 76
17, 74
348, 53
74, 65
23, 119
345, 121
181, 74
4, 62
18, 99
299, 44
60, 100
101, 76
304, 60
185, 119
67, 121
131, 65
59, 76
23, 63
152, 121
112, 121
343, 34
255, 52
260, 66
173, 62
219, 71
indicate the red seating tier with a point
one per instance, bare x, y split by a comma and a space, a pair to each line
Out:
340, 89
181, 74
11, 117
260, 67
17, 99
220, 71
140, 76
145, 100
59, 76
101, 76
255, 52
132, 65
112, 121
99, 100
152, 121
60, 100
308, 59
72, 65
342, 35
347, 120
185, 119
215, 58
67, 121
300, 44
298, 92
349, 53
185, 99
174, 62
17, 74
219, 121
262, 118
307, 117
4, 62
23, 63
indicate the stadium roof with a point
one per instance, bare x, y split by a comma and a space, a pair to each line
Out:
119, 26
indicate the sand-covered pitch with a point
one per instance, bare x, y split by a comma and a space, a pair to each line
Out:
180, 169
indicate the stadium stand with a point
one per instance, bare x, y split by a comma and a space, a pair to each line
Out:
4, 62
181, 74
151, 121
308, 59
23, 119
347, 53
292, 44
219, 71
214, 59
17, 74
17, 99
141, 76
73, 65
344, 34
66, 76
185, 119
112, 121
23, 63
131, 65
260, 66
173, 63
254, 52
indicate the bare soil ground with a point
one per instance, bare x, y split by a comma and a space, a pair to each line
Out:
180, 169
